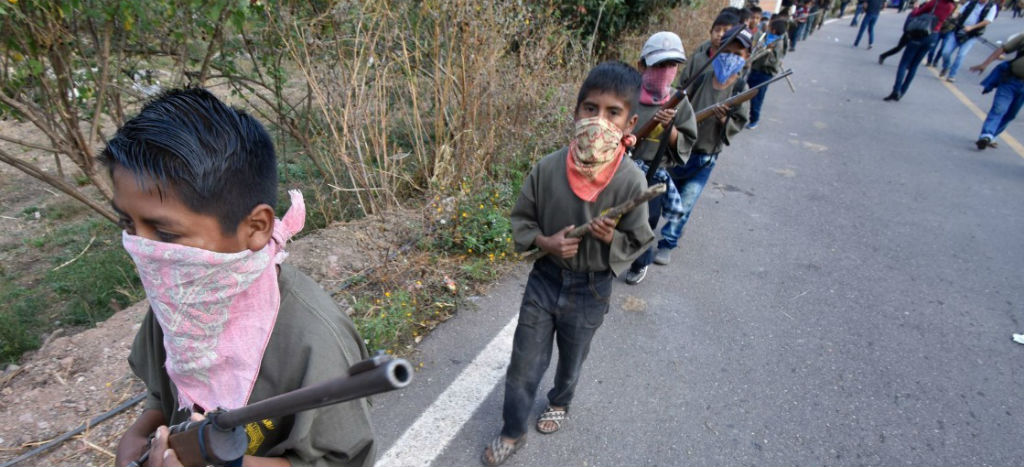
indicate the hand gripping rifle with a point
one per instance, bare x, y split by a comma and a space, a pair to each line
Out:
220, 438
674, 101
613, 213
741, 97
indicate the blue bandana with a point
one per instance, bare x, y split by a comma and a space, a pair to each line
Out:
726, 65
770, 38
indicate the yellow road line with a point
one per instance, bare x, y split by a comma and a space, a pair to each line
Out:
1010, 140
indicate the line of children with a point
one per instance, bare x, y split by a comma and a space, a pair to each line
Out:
767, 66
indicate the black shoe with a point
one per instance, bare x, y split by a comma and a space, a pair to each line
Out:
881, 58
983, 142
892, 97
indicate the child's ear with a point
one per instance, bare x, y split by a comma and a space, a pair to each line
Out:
640, 65
631, 123
258, 227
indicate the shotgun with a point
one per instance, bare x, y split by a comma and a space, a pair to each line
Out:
220, 438
613, 213
741, 97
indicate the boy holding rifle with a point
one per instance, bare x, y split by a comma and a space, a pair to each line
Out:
661, 148
719, 83
765, 67
723, 22
195, 184
568, 291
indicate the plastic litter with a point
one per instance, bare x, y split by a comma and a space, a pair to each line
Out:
1018, 338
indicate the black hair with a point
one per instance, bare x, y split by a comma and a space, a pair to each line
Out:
756, 10
218, 159
731, 10
615, 77
743, 15
725, 18
778, 26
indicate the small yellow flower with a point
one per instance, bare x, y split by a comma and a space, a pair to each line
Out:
465, 214
481, 206
419, 283
470, 250
387, 294
407, 315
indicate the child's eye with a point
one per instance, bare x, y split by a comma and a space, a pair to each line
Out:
167, 237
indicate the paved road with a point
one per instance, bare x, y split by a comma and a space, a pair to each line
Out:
845, 295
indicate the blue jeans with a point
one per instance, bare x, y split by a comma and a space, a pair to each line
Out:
690, 180
801, 30
911, 58
559, 307
856, 13
947, 52
869, 24
935, 53
755, 78
1005, 105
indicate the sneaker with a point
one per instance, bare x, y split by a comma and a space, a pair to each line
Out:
892, 97
634, 277
950, 80
983, 142
750, 126
664, 255
881, 59
943, 72
869, 46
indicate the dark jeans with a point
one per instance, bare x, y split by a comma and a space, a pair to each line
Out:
899, 46
690, 180
867, 23
912, 56
558, 306
935, 53
756, 78
1007, 102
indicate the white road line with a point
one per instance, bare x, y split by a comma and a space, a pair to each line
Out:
434, 429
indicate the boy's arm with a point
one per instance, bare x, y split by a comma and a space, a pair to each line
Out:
136, 439
525, 228
633, 234
686, 129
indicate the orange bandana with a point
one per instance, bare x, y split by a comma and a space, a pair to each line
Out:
594, 156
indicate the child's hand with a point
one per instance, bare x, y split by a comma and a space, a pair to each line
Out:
664, 116
603, 229
161, 455
558, 244
721, 112
977, 69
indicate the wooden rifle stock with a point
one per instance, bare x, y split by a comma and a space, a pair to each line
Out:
613, 213
741, 97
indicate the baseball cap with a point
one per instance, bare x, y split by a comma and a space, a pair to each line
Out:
744, 36
663, 46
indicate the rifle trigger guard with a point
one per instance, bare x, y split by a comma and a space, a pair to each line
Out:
202, 440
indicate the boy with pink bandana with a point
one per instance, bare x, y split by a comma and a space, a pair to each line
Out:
195, 185
659, 64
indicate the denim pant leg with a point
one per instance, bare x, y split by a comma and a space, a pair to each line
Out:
531, 346
856, 13
587, 302
964, 48
935, 52
653, 216
871, 20
912, 56
1005, 105
947, 50
756, 78
690, 180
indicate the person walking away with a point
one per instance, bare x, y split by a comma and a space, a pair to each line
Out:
1008, 81
917, 47
658, 65
568, 292
872, 8
765, 68
856, 13
973, 17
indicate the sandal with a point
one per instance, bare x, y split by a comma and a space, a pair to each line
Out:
557, 416
501, 451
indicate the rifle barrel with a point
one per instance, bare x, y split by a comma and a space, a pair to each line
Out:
741, 97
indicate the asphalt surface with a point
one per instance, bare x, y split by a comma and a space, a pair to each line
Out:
844, 294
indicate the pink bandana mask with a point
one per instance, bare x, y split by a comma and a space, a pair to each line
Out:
217, 310
656, 82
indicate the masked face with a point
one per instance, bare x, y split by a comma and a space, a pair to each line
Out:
596, 142
726, 65
656, 81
